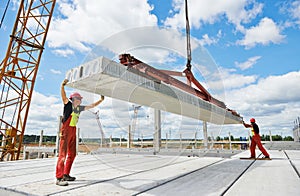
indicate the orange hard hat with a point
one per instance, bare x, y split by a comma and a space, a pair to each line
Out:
252, 120
75, 95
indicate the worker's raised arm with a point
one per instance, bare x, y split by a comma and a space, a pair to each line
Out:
246, 125
63, 92
94, 104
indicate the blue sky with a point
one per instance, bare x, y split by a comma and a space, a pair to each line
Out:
254, 44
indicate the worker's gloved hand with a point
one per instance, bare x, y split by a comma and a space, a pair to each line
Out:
102, 97
65, 82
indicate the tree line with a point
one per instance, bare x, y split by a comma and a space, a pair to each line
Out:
27, 139
263, 138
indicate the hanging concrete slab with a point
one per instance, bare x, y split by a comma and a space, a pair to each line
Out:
109, 78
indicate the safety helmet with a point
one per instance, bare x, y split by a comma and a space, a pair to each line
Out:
75, 95
252, 120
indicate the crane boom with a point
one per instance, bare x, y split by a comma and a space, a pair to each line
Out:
19, 70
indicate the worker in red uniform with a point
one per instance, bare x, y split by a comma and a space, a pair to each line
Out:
67, 146
255, 140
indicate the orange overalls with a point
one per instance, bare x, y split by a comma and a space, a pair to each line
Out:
67, 146
255, 140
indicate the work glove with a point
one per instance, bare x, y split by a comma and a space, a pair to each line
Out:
65, 82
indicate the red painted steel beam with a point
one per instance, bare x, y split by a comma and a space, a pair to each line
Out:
133, 63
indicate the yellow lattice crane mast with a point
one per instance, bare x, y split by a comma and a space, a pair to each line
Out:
18, 72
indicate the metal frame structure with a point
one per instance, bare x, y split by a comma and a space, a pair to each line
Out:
19, 70
103, 142
134, 122
141, 68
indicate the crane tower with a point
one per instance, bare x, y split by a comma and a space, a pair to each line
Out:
18, 72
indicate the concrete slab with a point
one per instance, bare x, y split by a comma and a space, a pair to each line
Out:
93, 171
109, 78
293, 154
283, 145
275, 177
137, 174
294, 157
212, 180
140, 181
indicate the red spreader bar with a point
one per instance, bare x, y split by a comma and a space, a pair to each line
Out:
147, 71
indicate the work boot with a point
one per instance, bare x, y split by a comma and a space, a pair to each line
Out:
67, 177
61, 182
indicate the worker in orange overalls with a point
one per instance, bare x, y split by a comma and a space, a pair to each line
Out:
255, 140
67, 146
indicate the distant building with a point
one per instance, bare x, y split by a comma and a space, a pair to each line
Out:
296, 130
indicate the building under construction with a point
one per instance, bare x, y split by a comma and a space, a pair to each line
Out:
152, 171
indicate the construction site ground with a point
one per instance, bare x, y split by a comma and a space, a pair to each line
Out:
177, 172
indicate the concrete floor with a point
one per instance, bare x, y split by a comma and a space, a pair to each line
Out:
146, 174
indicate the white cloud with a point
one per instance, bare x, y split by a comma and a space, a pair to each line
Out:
271, 90
274, 100
44, 114
279, 89
16, 4
63, 52
206, 40
264, 33
41, 77
248, 64
231, 80
295, 11
151, 45
57, 72
210, 11
292, 9
82, 24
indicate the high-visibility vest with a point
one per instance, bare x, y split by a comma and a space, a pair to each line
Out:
252, 132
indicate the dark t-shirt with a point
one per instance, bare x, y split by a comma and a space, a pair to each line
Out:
255, 128
69, 110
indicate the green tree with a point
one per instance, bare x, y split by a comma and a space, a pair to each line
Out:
277, 138
288, 138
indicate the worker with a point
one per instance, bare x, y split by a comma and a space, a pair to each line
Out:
67, 146
255, 140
